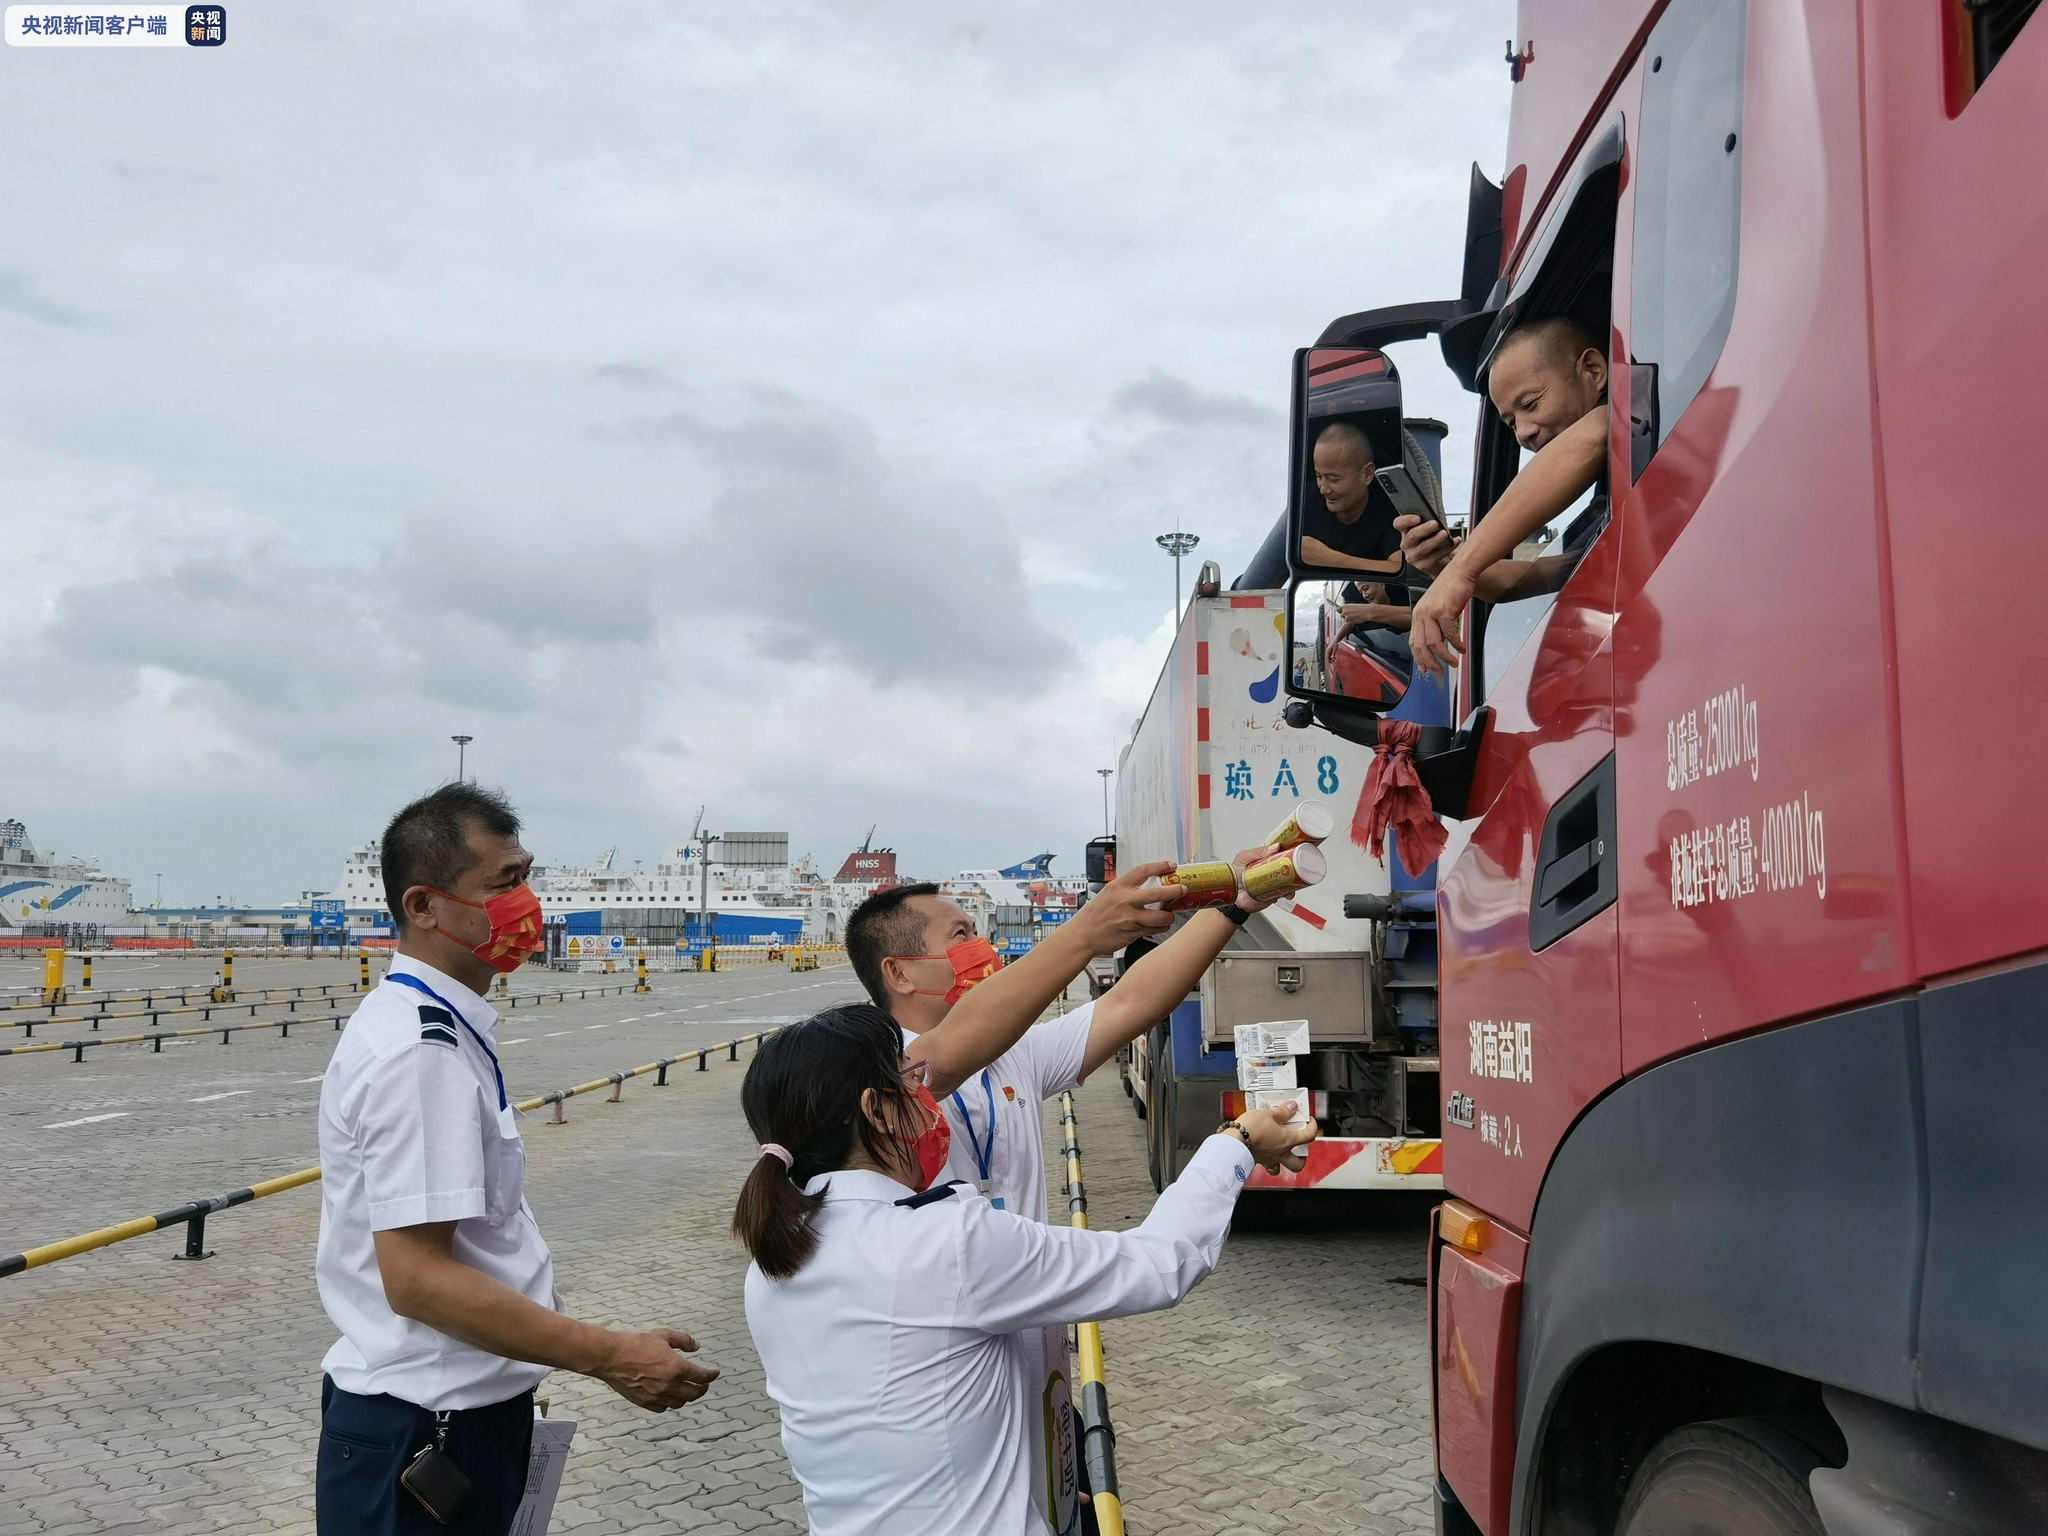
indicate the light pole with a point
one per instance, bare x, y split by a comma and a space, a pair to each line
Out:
461, 750
705, 945
1176, 544
1105, 772
159, 888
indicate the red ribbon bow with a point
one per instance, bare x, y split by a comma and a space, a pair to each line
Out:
1394, 797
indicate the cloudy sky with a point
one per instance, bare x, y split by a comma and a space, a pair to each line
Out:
764, 406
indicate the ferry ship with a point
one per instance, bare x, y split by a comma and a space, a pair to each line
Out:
53, 895
742, 882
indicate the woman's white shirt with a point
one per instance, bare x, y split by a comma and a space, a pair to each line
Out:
894, 1353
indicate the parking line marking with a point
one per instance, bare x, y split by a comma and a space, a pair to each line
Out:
230, 1094
520, 1041
316, 1077
552, 1034
88, 1120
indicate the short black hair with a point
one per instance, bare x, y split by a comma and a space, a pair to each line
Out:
427, 843
881, 927
1558, 339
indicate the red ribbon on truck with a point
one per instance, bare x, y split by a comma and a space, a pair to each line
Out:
1394, 797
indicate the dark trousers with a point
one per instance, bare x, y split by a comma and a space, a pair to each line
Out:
365, 1442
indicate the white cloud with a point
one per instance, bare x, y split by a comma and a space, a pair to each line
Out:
767, 406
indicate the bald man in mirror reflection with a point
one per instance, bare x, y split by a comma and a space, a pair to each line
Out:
1337, 534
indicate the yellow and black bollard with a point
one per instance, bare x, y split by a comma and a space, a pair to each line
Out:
53, 976
1098, 1439
640, 971
224, 984
504, 991
85, 969
363, 973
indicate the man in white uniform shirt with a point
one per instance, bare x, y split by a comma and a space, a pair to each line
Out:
899, 942
430, 1262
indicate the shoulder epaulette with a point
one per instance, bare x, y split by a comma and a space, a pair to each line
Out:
437, 1025
936, 1192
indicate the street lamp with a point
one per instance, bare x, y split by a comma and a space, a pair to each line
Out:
1105, 772
1176, 544
461, 749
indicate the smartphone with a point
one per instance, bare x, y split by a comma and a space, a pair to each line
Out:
1406, 494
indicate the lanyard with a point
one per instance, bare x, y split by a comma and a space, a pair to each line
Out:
984, 1156
420, 986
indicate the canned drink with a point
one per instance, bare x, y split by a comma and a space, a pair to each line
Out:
1300, 866
1310, 823
1201, 885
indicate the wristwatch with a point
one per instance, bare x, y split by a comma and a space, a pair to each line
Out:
1235, 913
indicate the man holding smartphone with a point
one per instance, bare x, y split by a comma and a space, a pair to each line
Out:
1338, 533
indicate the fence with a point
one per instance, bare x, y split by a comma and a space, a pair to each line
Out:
148, 1001
664, 959
157, 1037
193, 1213
1098, 1439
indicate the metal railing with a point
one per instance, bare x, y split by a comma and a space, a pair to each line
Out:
147, 1001
206, 1011
193, 1213
1098, 1438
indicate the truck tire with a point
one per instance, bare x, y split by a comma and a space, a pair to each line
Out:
1161, 1158
1728, 1477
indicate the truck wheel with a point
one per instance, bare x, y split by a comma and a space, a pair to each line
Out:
1730, 1477
1152, 1153
1158, 1110
1166, 1116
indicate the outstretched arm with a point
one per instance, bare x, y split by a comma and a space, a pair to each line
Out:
1550, 482
423, 1280
993, 1016
1155, 986
1021, 1273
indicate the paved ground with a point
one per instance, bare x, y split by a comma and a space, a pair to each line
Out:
143, 1395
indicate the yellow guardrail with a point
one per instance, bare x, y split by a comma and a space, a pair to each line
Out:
1098, 1439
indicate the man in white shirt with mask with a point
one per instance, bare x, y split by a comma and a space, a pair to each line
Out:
430, 1262
921, 960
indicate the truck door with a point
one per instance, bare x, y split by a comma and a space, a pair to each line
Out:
1760, 861
1529, 995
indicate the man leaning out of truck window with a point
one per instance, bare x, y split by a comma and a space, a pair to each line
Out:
1548, 381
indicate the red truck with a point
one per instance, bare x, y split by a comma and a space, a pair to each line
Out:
1744, 963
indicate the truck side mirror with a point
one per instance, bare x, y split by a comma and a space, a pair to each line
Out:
1345, 643
1351, 477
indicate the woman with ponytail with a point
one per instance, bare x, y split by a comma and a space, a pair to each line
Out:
887, 1312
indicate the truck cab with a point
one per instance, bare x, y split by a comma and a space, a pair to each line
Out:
1744, 941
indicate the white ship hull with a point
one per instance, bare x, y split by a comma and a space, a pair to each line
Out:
47, 893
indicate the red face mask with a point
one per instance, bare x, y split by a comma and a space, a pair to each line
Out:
973, 961
515, 927
934, 1145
